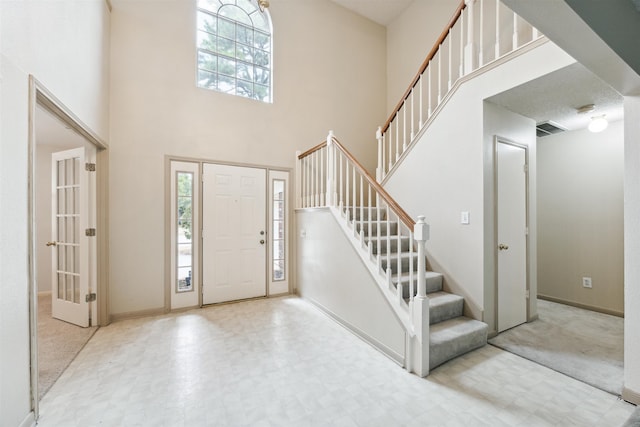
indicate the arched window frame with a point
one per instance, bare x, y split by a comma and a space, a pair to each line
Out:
235, 48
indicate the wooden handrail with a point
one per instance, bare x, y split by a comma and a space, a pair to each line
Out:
404, 217
312, 150
425, 64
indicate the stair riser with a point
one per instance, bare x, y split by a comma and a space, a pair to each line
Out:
374, 214
405, 264
434, 284
392, 228
443, 352
447, 311
393, 247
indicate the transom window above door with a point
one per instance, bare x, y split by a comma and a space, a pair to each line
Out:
234, 48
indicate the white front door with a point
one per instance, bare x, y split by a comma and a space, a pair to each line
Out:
511, 174
233, 233
71, 269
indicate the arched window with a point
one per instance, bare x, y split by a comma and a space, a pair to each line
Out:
234, 48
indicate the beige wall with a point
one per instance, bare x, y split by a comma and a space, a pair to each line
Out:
447, 172
580, 234
329, 65
410, 37
64, 44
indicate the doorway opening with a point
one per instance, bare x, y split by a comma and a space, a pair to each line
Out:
228, 233
67, 233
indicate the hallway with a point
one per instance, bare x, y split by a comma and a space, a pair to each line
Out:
279, 362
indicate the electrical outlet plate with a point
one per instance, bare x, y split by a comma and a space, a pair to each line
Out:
586, 282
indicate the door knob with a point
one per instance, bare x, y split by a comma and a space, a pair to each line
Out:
262, 233
262, 242
52, 243
503, 247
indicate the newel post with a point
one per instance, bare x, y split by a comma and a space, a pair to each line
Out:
420, 309
330, 170
379, 168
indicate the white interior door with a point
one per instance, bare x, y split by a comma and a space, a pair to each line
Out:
512, 235
233, 233
71, 271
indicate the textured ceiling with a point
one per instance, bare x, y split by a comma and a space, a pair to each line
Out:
557, 95
380, 11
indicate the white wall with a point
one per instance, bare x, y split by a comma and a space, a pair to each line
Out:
328, 66
445, 174
63, 44
410, 37
631, 249
331, 274
580, 217
521, 130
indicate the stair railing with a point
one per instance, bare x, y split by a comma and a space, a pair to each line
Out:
329, 176
479, 33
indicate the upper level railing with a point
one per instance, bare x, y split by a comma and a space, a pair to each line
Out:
480, 32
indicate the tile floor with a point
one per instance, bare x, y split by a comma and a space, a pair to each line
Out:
281, 362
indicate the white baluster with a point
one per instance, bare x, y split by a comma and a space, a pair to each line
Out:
429, 89
411, 267
298, 190
347, 188
329, 198
378, 214
398, 252
413, 92
380, 158
439, 74
420, 123
369, 213
388, 238
324, 188
404, 126
469, 49
361, 203
353, 201
449, 71
461, 71
397, 119
497, 29
341, 185
515, 32
481, 42
534, 33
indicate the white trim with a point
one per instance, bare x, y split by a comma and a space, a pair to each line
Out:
29, 420
281, 286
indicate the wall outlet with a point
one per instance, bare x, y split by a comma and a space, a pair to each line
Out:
586, 282
464, 217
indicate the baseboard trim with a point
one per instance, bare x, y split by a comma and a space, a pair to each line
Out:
29, 420
579, 305
631, 396
44, 294
137, 314
391, 354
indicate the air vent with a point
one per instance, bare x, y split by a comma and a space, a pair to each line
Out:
548, 128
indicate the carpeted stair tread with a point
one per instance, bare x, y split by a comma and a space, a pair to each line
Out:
366, 213
433, 279
385, 226
444, 306
455, 337
393, 248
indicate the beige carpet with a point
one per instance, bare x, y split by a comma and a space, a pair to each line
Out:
58, 344
585, 345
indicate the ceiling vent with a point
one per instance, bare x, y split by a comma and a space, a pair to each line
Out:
548, 128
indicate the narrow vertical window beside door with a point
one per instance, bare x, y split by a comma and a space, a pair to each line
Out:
278, 230
184, 229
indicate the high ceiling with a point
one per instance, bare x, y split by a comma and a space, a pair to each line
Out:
380, 11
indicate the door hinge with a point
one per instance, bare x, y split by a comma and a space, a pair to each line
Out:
90, 232
527, 294
90, 167
90, 297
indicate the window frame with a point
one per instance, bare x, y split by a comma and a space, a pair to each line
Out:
234, 59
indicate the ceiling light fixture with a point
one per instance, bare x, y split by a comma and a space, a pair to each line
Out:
598, 124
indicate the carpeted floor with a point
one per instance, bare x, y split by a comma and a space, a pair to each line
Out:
58, 344
582, 344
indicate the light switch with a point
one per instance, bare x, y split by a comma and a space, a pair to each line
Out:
464, 217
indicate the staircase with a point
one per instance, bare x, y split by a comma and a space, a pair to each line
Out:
451, 334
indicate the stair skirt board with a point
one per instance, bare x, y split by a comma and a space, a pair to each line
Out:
391, 354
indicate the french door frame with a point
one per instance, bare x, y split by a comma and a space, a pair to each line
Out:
273, 173
40, 96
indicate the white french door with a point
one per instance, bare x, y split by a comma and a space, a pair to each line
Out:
73, 266
233, 233
511, 161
